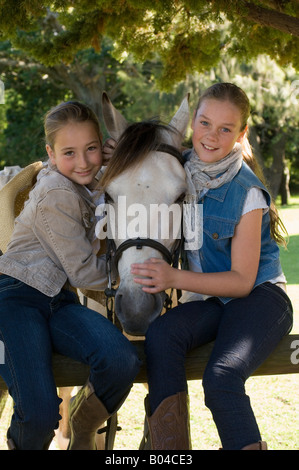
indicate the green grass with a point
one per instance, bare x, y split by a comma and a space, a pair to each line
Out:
289, 261
293, 203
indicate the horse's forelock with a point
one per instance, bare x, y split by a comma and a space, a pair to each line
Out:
134, 145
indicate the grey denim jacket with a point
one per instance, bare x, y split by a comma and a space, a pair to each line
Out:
52, 238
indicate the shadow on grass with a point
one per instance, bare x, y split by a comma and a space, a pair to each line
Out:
293, 202
289, 206
290, 260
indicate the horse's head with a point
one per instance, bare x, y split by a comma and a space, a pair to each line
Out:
144, 184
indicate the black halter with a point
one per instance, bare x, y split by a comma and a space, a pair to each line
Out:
113, 254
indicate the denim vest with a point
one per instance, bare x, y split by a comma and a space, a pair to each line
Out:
222, 211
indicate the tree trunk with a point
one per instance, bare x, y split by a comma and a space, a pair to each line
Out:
277, 176
284, 189
254, 141
276, 171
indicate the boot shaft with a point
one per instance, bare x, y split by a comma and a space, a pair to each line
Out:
169, 425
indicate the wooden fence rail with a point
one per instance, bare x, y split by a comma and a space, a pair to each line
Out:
284, 360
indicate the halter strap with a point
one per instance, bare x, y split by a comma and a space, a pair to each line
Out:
138, 243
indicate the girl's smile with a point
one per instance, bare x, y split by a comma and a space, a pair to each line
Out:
208, 148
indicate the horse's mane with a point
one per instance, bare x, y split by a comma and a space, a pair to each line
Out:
133, 146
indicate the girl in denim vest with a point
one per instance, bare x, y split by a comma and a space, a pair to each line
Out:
53, 248
236, 285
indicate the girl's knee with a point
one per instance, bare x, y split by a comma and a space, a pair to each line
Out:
159, 334
121, 366
220, 383
157, 328
129, 363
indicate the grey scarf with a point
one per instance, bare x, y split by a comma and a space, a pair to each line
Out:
201, 175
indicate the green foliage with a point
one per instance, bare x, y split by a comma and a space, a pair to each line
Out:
185, 33
153, 47
28, 95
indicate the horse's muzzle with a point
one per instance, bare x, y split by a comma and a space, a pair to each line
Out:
136, 309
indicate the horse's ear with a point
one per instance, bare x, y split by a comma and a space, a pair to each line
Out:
114, 121
181, 118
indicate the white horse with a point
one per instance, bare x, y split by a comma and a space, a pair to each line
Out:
145, 176
144, 172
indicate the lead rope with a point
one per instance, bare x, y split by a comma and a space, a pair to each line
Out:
110, 291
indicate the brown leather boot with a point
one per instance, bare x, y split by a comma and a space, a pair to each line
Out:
260, 445
87, 414
10, 443
169, 425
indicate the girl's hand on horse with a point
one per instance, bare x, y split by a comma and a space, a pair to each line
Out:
158, 275
108, 149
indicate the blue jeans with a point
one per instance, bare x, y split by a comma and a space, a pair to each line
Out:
32, 326
245, 330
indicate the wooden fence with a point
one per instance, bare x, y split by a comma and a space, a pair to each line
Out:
284, 360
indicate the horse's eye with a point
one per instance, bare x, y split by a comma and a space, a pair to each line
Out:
180, 198
108, 198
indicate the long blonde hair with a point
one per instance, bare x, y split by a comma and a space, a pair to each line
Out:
234, 94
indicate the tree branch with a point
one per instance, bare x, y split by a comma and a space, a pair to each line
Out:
266, 17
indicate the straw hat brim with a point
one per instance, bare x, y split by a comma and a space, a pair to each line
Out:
12, 198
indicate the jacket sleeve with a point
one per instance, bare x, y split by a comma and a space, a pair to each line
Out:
59, 228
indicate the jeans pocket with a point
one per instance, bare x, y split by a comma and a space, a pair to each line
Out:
8, 282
